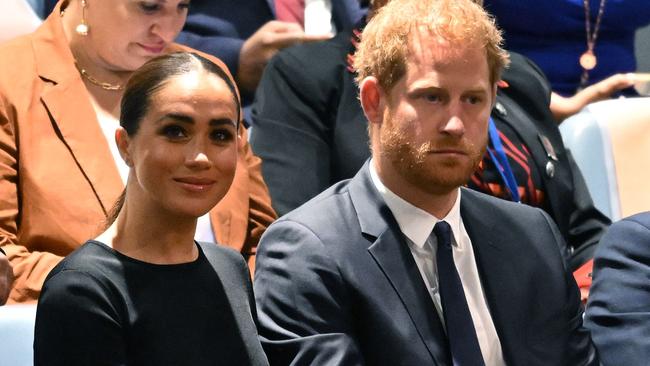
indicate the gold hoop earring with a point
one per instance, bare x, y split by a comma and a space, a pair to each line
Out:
82, 27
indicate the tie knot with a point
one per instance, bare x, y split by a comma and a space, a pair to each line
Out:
443, 233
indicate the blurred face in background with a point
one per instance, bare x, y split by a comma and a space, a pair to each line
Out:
124, 34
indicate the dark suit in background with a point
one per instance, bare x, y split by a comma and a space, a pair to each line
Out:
220, 27
308, 97
618, 312
344, 289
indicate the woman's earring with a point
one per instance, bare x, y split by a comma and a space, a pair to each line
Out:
82, 27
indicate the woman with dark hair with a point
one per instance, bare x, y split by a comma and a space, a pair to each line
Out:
60, 91
144, 292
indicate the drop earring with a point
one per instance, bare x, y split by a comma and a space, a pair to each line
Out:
82, 27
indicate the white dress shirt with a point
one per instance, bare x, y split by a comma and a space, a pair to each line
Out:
417, 226
318, 17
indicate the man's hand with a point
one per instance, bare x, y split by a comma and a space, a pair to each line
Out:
6, 278
565, 107
263, 44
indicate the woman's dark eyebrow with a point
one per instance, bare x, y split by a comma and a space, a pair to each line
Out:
222, 121
176, 117
189, 120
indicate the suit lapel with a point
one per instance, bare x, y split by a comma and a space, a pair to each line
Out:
71, 113
79, 130
393, 256
492, 244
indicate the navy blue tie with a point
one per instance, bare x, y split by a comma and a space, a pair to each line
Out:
463, 342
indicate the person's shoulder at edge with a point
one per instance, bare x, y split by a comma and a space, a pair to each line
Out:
225, 253
642, 218
621, 266
616, 240
16, 56
504, 206
312, 212
92, 257
526, 83
533, 222
512, 213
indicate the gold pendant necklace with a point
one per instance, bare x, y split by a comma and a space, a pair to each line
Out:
103, 85
588, 59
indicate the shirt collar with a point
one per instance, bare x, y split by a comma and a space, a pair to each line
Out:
415, 223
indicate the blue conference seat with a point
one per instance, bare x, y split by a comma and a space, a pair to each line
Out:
17, 335
610, 141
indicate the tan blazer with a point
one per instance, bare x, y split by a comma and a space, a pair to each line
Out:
58, 178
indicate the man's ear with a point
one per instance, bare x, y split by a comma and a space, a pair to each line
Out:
372, 99
123, 141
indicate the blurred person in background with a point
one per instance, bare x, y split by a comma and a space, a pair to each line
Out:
585, 47
245, 34
618, 311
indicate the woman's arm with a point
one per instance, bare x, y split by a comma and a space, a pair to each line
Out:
564, 107
6, 277
29, 268
77, 324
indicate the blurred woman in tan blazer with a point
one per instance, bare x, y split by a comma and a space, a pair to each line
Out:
60, 171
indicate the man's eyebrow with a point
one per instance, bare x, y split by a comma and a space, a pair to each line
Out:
477, 90
418, 88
